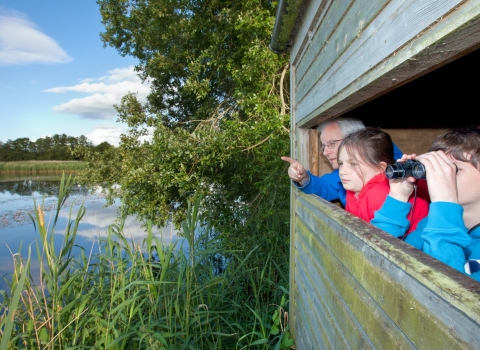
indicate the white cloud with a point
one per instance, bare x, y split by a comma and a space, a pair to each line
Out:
111, 134
103, 93
96, 106
22, 43
106, 132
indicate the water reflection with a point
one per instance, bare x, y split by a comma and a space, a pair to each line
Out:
40, 186
17, 231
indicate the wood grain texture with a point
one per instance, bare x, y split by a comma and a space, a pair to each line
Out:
314, 151
348, 26
333, 14
338, 285
416, 141
369, 289
405, 39
313, 14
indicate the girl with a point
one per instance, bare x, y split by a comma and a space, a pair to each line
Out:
362, 159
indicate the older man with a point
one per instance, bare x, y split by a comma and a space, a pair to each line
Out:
328, 186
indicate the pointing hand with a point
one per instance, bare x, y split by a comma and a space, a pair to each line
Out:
296, 171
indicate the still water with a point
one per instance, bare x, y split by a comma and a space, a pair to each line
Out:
17, 231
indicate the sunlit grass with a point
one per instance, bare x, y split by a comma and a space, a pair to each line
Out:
142, 296
42, 167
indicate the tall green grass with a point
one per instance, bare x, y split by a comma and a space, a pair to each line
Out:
142, 296
34, 167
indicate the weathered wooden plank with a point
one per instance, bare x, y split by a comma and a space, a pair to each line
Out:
308, 277
359, 15
416, 141
313, 151
301, 340
294, 151
412, 305
311, 322
303, 147
334, 12
301, 328
392, 41
338, 286
394, 27
428, 271
371, 282
308, 334
308, 331
313, 13
347, 329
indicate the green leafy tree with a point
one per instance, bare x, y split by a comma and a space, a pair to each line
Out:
58, 147
42, 146
18, 149
216, 120
102, 147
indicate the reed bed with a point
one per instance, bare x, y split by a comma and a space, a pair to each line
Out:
37, 167
147, 296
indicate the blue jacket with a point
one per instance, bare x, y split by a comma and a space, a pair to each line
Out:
442, 234
329, 186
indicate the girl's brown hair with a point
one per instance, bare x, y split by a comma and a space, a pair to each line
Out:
372, 146
462, 143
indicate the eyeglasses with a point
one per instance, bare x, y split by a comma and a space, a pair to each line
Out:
330, 144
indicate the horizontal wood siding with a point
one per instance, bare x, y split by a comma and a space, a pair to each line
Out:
333, 13
357, 287
416, 141
347, 62
344, 21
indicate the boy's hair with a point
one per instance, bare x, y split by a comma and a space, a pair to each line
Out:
462, 143
371, 145
347, 125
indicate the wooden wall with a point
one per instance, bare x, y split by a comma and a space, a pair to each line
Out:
356, 287
348, 52
353, 286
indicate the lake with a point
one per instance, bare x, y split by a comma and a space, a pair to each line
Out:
17, 231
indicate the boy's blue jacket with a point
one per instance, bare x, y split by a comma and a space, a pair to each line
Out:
329, 186
442, 234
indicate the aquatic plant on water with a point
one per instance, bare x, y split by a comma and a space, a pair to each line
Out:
140, 296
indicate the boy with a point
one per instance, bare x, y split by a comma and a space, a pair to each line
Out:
451, 231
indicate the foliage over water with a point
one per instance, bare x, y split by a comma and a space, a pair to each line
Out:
141, 296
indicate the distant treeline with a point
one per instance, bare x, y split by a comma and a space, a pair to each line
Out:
57, 147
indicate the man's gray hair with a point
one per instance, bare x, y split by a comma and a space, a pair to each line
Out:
347, 125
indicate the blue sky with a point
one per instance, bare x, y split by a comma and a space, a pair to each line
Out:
55, 75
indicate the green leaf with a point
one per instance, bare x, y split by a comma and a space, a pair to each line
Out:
275, 330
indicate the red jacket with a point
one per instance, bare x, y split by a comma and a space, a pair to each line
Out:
373, 195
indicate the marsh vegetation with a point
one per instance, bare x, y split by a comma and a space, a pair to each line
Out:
151, 295
39, 167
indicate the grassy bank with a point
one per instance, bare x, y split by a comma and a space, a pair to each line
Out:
148, 296
38, 167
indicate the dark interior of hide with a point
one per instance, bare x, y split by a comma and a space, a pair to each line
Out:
443, 98
415, 113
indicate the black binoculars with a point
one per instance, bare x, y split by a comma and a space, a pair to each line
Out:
411, 167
